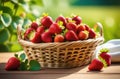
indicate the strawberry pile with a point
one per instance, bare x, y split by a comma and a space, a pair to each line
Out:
61, 30
103, 61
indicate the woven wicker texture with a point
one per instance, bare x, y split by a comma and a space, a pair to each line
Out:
61, 55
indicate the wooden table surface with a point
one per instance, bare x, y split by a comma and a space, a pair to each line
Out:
112, 72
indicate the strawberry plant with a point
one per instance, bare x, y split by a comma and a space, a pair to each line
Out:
12, 13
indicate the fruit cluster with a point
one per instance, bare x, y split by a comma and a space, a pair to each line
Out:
61, 30
104, 61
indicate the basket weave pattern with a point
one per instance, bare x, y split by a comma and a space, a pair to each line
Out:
61, 55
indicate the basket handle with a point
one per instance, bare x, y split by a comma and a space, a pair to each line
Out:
99, 25
19, 30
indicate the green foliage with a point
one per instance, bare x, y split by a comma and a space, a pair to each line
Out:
12, 13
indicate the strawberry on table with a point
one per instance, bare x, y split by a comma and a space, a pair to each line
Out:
46, 21
71, 36
12, 64
96, 65
104, 56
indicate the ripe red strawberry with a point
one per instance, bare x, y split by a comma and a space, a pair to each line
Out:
87, 27
46, 21
55, 28
80, 28
83, 35
36, 38
68, 19
95, 65
71, 26
12, 64
34, 25
62, 19
27, 33
40, 29
77, 19
106, 57
92, 33
46, 37
59, 38
71, 36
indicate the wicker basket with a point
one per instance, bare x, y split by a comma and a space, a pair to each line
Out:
61, 55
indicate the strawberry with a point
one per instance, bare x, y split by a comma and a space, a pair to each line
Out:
27, 33
55, 28
92, 33
36, 38
62, 19
40, 29
12, 64
71, 26
80, 28
106, 57
70, 35
87, 27
46, 21
77, 19
96, 65
83, 35
59, 38
46, 37
68, 19
34, 25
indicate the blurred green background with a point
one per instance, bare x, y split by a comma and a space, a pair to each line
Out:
13, 12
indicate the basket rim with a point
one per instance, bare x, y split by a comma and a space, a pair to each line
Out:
37, 45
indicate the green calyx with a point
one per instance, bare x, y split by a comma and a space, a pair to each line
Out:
104, 50
103, 61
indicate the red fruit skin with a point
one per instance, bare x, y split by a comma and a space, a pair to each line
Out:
34, 25
92, 34
46, 21
71, 36
61, 18
87, 27
59, 38
40, 30
12, 64
68, 19
83, 35
106, 57
36, 38
71, 26
80, 28
95, 65
77, 19
27, 32
46, 37
55, 28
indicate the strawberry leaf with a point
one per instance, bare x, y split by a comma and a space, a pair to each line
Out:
22, 56
24, 66
34, 65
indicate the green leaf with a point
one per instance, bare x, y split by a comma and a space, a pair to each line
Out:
4, 35
17, 20
23, 66
22, 56
34, 65
1, 26
6, 9
16, 55
6, 19
4, 48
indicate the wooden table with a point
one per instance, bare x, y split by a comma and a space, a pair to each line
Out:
112, 72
